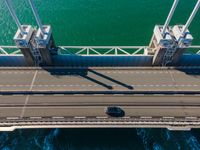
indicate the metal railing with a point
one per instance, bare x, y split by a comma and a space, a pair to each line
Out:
94, 50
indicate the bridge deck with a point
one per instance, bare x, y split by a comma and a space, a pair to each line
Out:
75, 110
99, 79
94, 105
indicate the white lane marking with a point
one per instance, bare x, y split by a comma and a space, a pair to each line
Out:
126, 117
28, 96
146, 117
139, 72
33, 80
192, 118
75, 85
77, 117
12, 118
172, 77
35, 117
17, 72
99, 117
58, 117
168, 117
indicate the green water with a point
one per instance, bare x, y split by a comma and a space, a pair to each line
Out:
99, 22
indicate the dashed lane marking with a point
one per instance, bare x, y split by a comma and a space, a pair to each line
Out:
58, 117
77, 117
192, 118
146, 117
107, 72
12, 118
35, 117
168, 117
126, 117
98, 117
95, 85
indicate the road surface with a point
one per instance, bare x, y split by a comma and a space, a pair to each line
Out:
173, 111
99, 79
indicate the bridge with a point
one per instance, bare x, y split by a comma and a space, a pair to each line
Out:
47, 86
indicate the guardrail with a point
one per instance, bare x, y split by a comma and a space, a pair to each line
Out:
94, 50
172, 123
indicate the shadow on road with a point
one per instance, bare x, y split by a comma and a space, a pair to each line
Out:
84, 73
191, 72
111, 79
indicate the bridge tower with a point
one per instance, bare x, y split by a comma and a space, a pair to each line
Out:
23, 36
44, 41
183, 36
162, 44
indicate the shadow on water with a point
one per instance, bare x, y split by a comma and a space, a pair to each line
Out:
86, 74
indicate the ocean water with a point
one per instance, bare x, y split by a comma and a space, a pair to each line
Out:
99, 22
100, 139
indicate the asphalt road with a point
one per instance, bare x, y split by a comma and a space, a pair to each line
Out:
102, 79
98, 79
94, 105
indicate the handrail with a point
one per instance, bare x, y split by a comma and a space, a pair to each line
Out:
92, 50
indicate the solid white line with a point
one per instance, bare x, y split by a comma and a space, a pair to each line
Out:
28, 96
33, 80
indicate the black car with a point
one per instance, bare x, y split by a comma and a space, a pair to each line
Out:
114, 111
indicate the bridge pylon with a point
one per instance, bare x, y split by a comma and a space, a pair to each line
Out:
183, 36
44, 41
162, 44
169, 43
23, 36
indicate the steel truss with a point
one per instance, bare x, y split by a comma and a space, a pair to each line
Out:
92, 50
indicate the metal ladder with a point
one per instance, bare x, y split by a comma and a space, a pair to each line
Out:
36, 53
168, 57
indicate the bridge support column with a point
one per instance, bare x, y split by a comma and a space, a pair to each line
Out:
183, 41
183, 36
23, 37
159, 45
23, 42
44, 39
45, 44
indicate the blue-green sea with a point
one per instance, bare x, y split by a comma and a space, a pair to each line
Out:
99, 22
